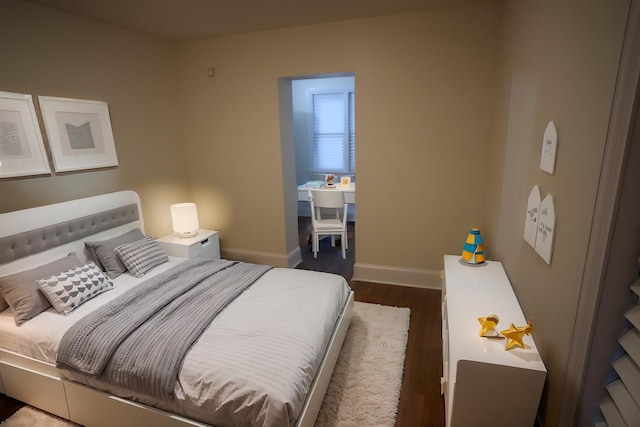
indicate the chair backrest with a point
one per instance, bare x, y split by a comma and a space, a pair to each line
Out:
327, 198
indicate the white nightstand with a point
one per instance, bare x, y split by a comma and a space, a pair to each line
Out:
204, 245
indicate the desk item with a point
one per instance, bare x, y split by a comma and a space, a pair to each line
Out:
349, 192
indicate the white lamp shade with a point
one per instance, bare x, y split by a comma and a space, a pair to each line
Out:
184, 218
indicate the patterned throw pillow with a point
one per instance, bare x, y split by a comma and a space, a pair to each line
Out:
141, 256
67, 290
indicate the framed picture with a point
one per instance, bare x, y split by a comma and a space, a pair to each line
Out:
79, 132
22, 150
345, 181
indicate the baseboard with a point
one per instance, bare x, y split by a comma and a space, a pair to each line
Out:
363, 272
291, 260
413, 277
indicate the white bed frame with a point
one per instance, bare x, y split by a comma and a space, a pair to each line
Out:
41, 384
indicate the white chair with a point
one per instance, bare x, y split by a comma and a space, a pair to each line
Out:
334, 225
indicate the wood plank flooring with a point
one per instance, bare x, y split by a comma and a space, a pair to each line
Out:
421, 403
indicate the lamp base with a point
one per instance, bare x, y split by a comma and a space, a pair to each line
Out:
186, 234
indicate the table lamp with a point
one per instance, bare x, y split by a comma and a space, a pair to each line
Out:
184, 218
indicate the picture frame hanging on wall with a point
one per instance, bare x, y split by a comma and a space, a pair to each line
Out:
22, 150
79, 132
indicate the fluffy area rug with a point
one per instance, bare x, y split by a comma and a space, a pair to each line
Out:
365, 386
32, 417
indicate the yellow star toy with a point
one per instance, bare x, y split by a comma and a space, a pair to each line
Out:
514, 335
488, 324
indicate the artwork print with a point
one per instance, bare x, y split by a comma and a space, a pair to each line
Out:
22, 149
79, 132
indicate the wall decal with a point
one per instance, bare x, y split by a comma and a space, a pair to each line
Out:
546, 229
549, 149
531, 220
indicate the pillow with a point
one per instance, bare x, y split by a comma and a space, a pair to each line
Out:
67, 290
141, 256
101, 252
21, 290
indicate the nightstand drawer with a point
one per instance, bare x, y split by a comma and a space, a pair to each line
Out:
205, 244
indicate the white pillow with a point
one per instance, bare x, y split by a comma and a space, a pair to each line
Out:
69, 289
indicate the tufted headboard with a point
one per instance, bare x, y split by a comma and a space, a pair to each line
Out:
31, 237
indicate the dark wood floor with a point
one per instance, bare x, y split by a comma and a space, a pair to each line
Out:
420, 401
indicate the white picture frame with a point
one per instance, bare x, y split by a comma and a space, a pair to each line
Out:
22, 150
79, 132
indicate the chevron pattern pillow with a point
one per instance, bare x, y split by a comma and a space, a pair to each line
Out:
69, 289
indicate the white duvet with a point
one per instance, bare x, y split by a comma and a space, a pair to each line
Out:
252, 367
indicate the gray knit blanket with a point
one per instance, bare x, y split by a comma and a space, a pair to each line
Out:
140, 339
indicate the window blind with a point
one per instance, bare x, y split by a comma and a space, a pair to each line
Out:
333, 131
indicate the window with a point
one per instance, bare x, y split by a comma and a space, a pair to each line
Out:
333, 139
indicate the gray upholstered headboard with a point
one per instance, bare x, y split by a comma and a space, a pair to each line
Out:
34, 236
33, 241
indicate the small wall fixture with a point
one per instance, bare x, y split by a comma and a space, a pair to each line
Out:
184, 218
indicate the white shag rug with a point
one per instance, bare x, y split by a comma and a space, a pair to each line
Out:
365, 386
28, 416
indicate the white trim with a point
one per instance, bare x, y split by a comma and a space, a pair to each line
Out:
294, 257
291, 260
268, 258
603, 215
401, 276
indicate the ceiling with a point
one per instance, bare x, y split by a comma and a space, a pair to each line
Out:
181, 20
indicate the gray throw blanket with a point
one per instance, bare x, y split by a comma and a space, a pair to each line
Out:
140, 339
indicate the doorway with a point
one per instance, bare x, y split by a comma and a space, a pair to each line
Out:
324, 143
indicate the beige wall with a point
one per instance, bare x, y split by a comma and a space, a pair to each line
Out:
424, 89
50, 53
560, 63
451, 106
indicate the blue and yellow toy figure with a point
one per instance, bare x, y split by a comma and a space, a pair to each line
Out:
473, 250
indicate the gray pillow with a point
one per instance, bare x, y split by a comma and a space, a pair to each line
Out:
21, 290
141, 256
101, 252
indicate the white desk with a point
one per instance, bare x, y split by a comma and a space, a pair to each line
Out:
349, 192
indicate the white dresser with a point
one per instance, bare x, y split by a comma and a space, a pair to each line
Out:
484, 385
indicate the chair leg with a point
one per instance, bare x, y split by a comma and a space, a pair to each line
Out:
333, 240
343, 243
315, 245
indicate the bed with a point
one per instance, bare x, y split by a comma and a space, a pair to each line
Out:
263, 358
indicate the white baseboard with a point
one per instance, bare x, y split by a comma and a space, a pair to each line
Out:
397, 276
363, 272
290, 260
